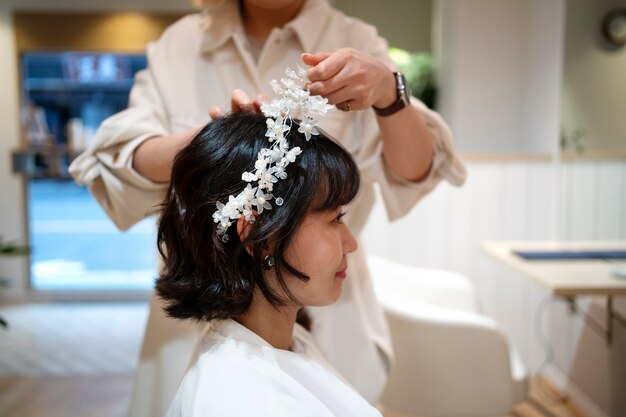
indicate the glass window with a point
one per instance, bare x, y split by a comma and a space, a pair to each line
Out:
75, 246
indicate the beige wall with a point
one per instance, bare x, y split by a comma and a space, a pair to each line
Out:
594, 89
119, 31
12, 208
405, 24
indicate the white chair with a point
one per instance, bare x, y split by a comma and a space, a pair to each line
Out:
451, 361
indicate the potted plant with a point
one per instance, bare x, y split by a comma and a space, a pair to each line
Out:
10, 249
419, 70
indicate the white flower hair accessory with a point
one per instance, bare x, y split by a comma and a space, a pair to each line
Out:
295, 102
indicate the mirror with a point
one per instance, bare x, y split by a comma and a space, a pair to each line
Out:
593, 121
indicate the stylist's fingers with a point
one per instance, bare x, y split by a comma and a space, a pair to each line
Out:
239, 101
216, 112
330, 65
314, 59
341, 96
258, 101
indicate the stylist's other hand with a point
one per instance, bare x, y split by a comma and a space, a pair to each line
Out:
239, 101
348, 75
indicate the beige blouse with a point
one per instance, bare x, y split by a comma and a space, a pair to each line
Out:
196, 64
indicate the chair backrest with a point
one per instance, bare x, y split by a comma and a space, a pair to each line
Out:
431, 286
450, 359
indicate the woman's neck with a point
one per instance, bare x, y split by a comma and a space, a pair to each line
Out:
274, 325
259, 21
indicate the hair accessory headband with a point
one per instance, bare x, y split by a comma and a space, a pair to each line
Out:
295, 102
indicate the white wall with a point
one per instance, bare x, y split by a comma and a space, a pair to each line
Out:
500, 73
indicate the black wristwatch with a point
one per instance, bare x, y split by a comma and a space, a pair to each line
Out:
403, 100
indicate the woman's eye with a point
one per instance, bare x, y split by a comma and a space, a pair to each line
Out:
339, 218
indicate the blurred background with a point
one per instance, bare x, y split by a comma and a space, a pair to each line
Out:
534, 91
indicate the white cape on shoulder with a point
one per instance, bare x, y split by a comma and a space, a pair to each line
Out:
236, 373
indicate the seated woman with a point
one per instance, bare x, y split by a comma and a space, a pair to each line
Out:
247, 258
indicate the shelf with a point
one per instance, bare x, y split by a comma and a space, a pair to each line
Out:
42, 162
63, 85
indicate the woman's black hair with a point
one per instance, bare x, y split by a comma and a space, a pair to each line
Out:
205, 278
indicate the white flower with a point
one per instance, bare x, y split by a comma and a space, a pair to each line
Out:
272, 109
280, 173
288, 83
283, 146
275, 128
248, 192
308, 128
248, 177
267, 180
292, 74
234, 203
261, 201
276, 154
248, 214
261, 163
278, 90
319, 105
291, 155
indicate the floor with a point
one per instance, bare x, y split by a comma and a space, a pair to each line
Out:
71, 339
77, 360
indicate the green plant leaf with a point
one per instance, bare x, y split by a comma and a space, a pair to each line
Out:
419, 71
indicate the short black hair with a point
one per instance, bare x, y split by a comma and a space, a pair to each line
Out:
205, 278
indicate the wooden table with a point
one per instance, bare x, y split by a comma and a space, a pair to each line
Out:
569, 278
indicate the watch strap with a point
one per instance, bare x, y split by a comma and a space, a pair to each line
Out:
401, 99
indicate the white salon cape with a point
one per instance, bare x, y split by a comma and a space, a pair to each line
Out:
236, 373
196, 64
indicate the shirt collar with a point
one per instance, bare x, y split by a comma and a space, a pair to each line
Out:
230, 328
310, 23
222, 22
219, 24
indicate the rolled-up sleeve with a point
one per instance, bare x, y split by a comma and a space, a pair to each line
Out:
106, 166
399, 194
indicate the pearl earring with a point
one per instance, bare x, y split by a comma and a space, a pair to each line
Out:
269, 261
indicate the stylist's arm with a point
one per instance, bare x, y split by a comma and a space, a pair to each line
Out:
154, 157
361, 80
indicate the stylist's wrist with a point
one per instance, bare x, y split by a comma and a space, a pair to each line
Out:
387, 93
153, 158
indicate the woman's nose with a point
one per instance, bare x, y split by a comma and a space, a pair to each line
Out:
349, 242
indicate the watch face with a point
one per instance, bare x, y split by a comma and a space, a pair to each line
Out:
406, 96
614, 27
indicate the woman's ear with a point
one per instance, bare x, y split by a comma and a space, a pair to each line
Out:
243, 229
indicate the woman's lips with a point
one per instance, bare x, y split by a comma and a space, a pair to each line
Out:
342, 273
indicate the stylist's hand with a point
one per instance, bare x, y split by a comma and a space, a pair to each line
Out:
239, 101
350, 76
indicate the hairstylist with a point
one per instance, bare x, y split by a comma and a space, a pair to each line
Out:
222, 59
